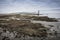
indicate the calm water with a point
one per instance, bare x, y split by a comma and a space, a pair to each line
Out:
53, 15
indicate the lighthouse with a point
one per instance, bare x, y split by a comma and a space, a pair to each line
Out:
38, 12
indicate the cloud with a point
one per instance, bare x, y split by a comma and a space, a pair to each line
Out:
51, 7
50, 3
30, 5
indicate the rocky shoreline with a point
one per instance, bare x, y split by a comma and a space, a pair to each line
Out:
19, 27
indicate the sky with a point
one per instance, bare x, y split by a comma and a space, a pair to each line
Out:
51, 7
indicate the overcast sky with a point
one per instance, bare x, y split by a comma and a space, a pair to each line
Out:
45, 6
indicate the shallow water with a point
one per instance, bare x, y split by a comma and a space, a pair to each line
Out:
52, 15
46, 24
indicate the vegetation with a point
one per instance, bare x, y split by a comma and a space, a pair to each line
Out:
44, 18
24, 27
